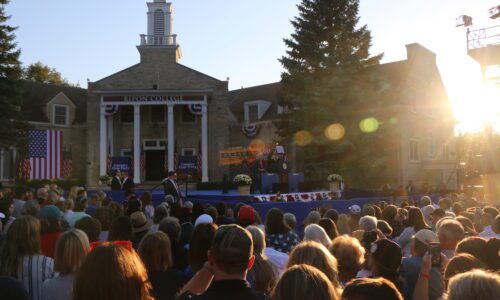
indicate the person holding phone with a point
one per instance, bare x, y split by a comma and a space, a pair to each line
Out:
424, 241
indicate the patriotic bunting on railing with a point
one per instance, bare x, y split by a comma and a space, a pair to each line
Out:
111, 110
298, 197
195, 109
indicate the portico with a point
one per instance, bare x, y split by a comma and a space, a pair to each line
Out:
157, 98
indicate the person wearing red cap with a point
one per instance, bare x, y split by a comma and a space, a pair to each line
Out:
246, 216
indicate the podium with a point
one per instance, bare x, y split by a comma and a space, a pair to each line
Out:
294, 179
267, 181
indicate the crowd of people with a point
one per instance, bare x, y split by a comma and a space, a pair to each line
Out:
57, 245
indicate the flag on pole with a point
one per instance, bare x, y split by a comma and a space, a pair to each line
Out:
45, 154
198, 161
24, 168
67, 164
143, 165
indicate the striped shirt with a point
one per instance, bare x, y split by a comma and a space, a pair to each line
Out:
33, 271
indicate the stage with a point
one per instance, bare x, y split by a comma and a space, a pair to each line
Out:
298, 208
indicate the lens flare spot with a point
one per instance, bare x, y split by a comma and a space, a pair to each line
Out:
369, 125
257, 145
303, 138
335, 132
393, 121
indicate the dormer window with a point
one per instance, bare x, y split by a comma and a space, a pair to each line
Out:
255, 110
60, 115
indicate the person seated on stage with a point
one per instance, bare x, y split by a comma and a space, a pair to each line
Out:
127, 182
116, 182
170, 187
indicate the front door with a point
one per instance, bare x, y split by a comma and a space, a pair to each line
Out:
155, 161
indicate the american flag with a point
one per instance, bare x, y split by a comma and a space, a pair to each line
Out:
67, 164
24, 169
45, 154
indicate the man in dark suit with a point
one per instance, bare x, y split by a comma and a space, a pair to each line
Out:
127, 182
116, 182
170, 187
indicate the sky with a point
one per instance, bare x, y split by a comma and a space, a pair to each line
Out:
242, 40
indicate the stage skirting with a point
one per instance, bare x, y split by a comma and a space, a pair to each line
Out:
299, 209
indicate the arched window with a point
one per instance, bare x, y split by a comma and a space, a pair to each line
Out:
159, 22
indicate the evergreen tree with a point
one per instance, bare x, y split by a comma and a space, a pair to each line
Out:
327, 79
13, 128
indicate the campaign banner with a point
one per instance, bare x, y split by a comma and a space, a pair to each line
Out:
188, 164
122, 163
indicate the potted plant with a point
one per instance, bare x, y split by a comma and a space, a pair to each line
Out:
243, 182
336, 182
104, 180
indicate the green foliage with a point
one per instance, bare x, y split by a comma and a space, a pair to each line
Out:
39, 72
13, 128
328, 79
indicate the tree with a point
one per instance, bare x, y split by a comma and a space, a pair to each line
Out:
327, 79
13, 128
39, 72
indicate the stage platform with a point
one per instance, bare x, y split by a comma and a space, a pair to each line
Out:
299, 209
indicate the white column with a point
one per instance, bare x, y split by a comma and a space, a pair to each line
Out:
102, 140
110, 136
137, 143
204, 142
170, 137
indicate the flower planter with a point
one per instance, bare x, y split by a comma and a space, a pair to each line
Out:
243, 190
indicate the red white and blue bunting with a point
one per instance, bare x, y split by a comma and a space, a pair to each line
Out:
195, 109
250, 130
298, 197
110, 110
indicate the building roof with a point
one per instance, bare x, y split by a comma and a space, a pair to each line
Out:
36, 95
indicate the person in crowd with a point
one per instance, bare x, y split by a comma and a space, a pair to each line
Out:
449, 232
13, 289
112, 272
304, 282
365, 224
53, 198
170, 187
354, 216
229, 259
246, 216
200, 243
427, 212
492, 253
161, 212
147, 204
343, 224
79, 211
279, 235
31, 208
445, 204
425, 201
222, 218
488, 220
316, 255
350, 256
72, 193
371, 289
316, 233
474, 246
93, 204
330, 228
19, 200
261, 276
204, 219
290, 220
91, 226
133, 205
6, 208
116, 208
390, 214
212, 212
116, 181
42, 195
410, 266
462, 263
384, 259
312, 218
476, 284
121, 229
71, 250
140, 226
20, 256
171, 227
104, 215
416, 223
332, 214
51, 229
385, 228
69, 205
469, 229
154, 250
436, 215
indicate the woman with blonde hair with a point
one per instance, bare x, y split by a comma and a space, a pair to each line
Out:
316, 233
350, 256
112, 272
20, 256
155, 252
343, 224
475, 284
71, 250
316, 255
261, 274
73, 191
304, 282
